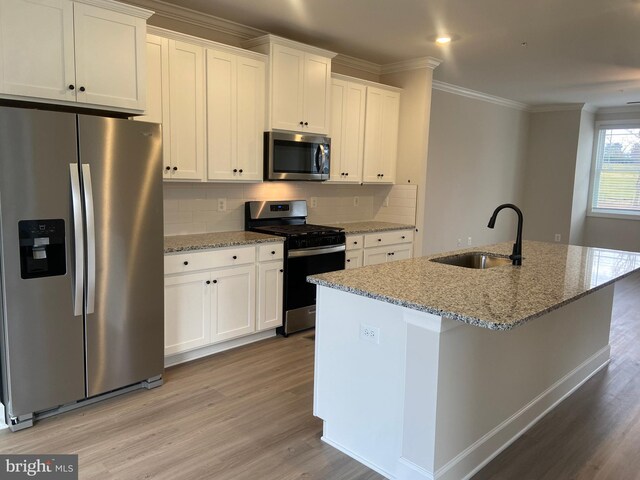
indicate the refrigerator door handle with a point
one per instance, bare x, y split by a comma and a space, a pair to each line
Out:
78, 277
91, 237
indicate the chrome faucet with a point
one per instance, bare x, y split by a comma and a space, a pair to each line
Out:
516, 255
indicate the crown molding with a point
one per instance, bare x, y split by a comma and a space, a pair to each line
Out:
199, 19
413, 64
558, 107
485, 97
357, 64
347, 78
269, 39
133, 10
622, 109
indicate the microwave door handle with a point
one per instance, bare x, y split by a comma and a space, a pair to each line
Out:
318, 154
324, 158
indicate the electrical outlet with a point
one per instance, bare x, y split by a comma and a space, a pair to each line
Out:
369, 333
459, 242
385, 203
313, 202
557, 237
356, 201
469, 242
222, 204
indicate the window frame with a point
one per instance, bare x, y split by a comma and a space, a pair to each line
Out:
599, 126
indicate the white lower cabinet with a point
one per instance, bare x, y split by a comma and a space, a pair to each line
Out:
186, 312
378, 247
217, 295
232, 300
270, 275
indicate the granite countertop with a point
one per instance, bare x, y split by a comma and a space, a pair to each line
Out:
370, 227
202, 241
498, 298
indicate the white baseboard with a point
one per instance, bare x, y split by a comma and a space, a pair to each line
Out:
472, 459
175, 359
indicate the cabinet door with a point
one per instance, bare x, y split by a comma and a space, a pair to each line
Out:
233, 302
353, 259
353, 132
374, 256
381, 136
316, 94
221, 115
186, 312
269, 295
402, 252
36, 44
110, 58
157, 110
250, 118
287, 79
338, 115
186, 102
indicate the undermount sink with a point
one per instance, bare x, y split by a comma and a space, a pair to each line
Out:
476, 260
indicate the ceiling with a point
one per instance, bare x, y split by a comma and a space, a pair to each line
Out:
577, 51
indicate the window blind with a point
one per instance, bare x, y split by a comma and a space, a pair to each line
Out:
616, 182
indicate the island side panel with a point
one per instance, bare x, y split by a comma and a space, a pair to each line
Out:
493, 385
359, 382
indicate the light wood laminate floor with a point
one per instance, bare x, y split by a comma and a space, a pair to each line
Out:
246, 414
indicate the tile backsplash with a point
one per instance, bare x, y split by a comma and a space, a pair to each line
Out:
193, 207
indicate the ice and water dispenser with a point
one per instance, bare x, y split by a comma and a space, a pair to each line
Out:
42, 248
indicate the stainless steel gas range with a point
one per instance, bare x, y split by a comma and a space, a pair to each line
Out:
309, 249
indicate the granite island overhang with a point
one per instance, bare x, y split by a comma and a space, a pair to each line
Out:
407, 383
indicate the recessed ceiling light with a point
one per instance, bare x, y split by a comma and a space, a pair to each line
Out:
443, 39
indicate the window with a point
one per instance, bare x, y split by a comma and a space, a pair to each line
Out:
615, 187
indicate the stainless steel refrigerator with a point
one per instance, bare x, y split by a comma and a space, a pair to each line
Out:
81, 260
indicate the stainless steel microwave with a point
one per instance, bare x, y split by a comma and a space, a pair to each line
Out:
292, 156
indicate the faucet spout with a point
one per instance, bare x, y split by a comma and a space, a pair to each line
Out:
516, 255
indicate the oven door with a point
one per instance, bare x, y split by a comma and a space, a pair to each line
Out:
296, 157
300, 296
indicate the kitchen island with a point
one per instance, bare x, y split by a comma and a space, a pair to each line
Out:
427, 371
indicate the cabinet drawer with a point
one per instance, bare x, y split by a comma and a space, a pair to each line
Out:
354, 242
388, 238
271, 251
223, 257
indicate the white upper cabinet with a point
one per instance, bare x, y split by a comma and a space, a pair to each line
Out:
299, 83
186, 106
347, 130
235, 116
69, 52
381, 135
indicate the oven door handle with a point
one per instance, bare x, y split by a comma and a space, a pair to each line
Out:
308, 252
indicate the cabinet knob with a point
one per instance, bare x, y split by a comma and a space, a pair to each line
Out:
208, 282
355, 243
273, 252
235, 170
235, 257
82, 89
281, 270
346, 174
71, 87
348, 260
403, 237
382, 174
186, 263
392, 253
175, 169
240, 170
306, 123
379, 239
301, 122
167, 168
215, 281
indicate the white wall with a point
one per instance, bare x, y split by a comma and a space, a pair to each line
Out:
550, 174
477, 153
581, 178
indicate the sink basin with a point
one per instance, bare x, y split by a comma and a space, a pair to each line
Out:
474, 260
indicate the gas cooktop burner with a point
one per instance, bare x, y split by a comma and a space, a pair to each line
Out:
299, 229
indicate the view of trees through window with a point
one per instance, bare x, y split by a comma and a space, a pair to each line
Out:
617, 171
